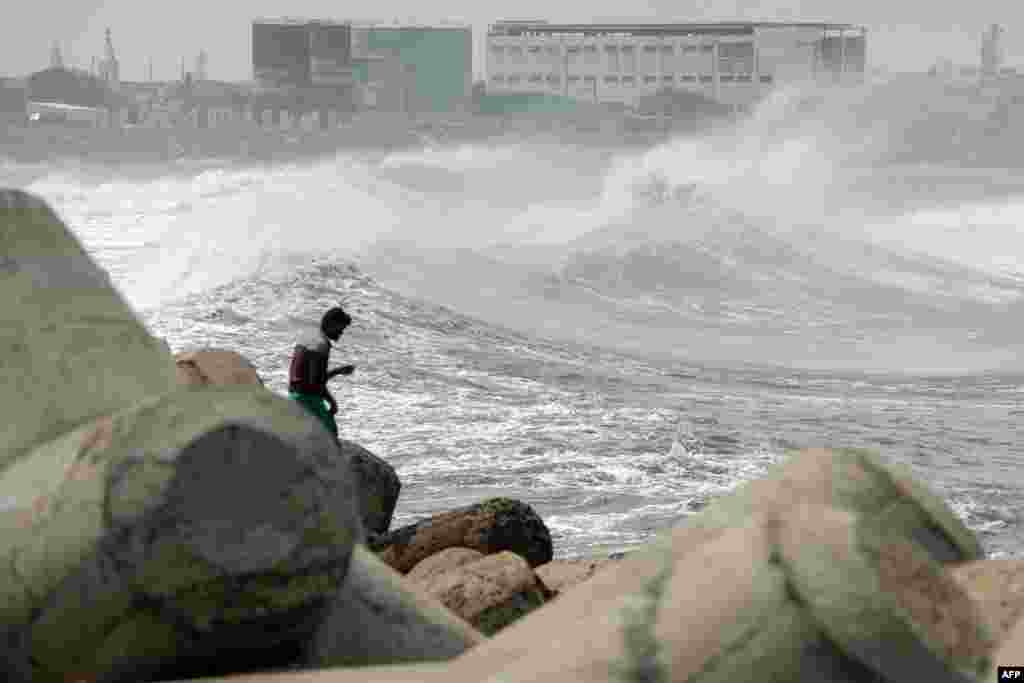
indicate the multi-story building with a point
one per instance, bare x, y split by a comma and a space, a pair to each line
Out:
379, 66
303, 69
418, 69
733, 63
296, 53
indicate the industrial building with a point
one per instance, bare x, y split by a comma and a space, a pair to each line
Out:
415, 69
302, 69
735, 63
297, 53
420, 69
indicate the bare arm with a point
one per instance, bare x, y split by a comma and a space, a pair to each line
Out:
342, 370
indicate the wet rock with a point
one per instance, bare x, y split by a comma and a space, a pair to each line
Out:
378, 487
853, 479
489, 527
490, 593
379, 618
998, 588
214, 366
446, 560
561, 575
211, 522
809, 594
792, 592
71, 349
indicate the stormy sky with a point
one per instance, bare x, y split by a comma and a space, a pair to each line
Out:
906, 35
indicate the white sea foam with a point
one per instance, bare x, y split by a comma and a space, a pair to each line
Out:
238, 257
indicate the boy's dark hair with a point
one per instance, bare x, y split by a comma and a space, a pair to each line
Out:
335, 318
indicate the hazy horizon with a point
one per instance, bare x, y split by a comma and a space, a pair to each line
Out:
908, 37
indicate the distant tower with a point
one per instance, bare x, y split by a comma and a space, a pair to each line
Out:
991, 51
200, 74
110, 70
56, 58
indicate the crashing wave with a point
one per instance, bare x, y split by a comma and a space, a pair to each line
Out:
655, 189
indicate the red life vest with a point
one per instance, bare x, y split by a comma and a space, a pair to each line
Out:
308, 371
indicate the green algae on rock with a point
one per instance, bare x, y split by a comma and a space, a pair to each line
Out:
882, 492
71, 349
377, 485
379, 618
490, 526
807, 595
146, 526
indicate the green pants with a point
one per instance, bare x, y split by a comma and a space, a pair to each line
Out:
317, 405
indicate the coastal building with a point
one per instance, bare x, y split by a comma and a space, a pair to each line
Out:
413, 69
418, 69
303, 71
66, 96
734, 63
62, 94
301, 53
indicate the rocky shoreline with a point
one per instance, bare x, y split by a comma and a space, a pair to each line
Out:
169, 518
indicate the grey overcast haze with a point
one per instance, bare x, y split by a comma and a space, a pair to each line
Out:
905, 35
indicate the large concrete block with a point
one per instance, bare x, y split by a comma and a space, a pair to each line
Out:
71, 349
379, 618
216, 521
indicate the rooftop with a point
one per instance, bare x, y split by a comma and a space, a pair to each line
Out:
363, 23
410, 23
515, 27
299, 21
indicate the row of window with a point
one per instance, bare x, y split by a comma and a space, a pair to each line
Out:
612, 55
630, 81
738, 58
519, 51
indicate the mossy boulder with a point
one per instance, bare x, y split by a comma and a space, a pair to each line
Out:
71, 348
377, 485
378, 618
489, 527
885, 493
807, 594
196, 521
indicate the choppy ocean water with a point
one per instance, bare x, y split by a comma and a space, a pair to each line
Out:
529, 322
